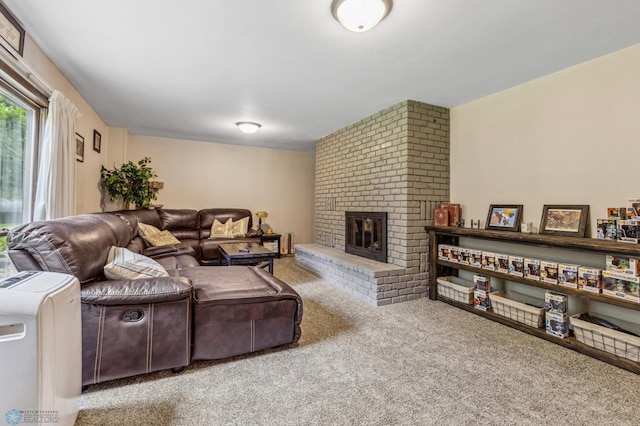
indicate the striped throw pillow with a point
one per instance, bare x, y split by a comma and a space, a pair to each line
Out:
125, 264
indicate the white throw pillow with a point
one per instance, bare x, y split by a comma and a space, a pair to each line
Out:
125, 264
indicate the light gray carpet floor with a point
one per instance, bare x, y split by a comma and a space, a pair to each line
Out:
414, 363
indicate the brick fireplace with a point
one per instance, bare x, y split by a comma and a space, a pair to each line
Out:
395, 161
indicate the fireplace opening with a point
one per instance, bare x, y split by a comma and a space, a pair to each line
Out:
366, 234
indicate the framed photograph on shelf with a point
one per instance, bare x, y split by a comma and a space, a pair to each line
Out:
97, 141
504, 217
79, 148
566, 220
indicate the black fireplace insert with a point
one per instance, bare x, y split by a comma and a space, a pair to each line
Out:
366, 234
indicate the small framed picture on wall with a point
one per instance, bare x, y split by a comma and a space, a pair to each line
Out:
79, 148
97, 141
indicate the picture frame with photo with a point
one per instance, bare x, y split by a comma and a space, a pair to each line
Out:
504, 217
79, 148
565, 220
97, 141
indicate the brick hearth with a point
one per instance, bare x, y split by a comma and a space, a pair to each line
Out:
366, 279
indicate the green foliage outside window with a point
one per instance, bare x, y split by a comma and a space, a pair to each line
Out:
13, 128
13, 124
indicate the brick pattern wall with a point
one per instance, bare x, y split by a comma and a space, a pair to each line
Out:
397, 161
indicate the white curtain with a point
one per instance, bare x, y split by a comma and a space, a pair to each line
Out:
55, 190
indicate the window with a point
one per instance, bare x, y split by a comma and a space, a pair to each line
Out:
20, 123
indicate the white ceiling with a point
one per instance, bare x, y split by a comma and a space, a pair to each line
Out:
191, 69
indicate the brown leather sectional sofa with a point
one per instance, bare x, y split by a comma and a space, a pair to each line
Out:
136, 326
191, 227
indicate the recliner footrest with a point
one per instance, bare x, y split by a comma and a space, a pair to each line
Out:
241, 310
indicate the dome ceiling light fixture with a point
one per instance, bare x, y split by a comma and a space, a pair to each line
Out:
360, 15
248, 127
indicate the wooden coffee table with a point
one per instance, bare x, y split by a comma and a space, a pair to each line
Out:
247, 254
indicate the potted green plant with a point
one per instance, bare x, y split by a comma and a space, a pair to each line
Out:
131, 182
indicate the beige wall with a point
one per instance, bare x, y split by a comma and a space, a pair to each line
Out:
88, 172
196, 175
200, 175
572, 137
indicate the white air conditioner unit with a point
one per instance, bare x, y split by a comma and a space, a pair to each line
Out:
40, 348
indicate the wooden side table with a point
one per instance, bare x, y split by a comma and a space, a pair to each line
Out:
271, 237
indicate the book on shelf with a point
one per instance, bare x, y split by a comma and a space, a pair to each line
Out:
441, 216
454, 212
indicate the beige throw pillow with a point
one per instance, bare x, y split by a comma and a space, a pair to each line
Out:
221, 230
162, 238
240, 227
145, 230
125, 264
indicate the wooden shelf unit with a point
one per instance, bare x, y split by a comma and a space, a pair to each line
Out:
451, 235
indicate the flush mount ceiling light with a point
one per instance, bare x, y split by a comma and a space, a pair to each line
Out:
248, 126
360, 15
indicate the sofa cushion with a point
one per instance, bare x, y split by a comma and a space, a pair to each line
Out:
173, 250
125, 264
182, 223
162, 238
176, 263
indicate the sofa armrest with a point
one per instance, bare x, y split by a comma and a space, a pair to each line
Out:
133, 292
284, 290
